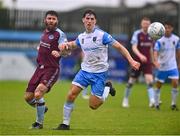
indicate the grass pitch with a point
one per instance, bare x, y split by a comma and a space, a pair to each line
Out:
110, 119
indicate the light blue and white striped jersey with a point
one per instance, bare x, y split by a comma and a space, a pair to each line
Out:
95, 48
166, 47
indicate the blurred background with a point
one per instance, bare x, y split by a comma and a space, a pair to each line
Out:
21, 25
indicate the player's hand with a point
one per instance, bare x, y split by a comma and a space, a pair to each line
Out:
143, 59
156, 64
135, 65
63, 46
55, 53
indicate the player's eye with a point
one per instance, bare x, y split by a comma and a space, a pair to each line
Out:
51, 18
88, 18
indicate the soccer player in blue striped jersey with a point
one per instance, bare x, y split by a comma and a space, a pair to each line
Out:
165, 61
94, 43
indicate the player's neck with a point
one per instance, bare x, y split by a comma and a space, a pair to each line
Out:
50, 30
168, 35
145, 32
90, 30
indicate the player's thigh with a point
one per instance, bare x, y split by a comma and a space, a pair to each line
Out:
95, 102
40, 91
98, 84
161, 76
148, 78
147, 71
82, 79
34, 82
49, 77
174, 76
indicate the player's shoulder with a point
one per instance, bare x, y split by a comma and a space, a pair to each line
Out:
138, 31
59, 31
100, 33
96, 31
175, 36
83, 34
172, 37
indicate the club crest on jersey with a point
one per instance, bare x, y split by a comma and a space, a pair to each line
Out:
51, 37
174, 42
94, 39
163, 43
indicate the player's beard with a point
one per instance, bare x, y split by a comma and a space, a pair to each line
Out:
51, 27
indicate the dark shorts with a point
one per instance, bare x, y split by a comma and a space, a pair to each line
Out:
47, 76
144, 68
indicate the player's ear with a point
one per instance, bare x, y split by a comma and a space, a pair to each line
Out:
83, 20
172, 28
95, 21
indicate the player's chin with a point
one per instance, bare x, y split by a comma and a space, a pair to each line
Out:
51, 27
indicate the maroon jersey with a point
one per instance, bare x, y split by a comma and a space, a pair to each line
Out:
49, 42
144, 44
48, 70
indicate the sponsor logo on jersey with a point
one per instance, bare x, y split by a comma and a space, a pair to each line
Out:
94, 39
163, 43
174, 42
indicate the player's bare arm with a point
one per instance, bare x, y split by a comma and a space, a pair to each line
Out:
139, 54
155, 59
152, 56
178, 58
68, 46
134, 64
65, 49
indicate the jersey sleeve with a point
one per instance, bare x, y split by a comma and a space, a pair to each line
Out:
178, 44
77, 42
108, 39
157, 46
134, 39
62, 38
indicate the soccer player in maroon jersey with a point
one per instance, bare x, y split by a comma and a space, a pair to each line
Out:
47, 71
142, 46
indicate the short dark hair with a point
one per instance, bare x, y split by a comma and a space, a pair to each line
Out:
168, 23
146, 18
89, 11
51, 12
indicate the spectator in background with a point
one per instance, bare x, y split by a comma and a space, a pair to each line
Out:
142, 46
94, 43
165, 61
47, 71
